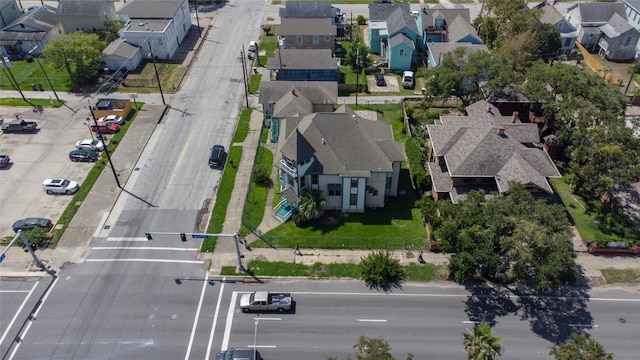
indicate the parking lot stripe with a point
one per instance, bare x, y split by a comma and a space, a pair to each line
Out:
148, 260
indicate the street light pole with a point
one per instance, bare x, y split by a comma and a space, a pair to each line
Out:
255, 340
198, 20
106, 151
45, 73
156, 69
88, 123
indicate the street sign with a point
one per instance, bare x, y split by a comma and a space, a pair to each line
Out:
199, 236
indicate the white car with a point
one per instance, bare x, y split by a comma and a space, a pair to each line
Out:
112, 119
90, 144
253, 46
60, 186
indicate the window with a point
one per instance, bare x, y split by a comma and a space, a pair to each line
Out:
327, 38
627, 41
353, 199
334, 189
401, 52
303, 182
314, 179
316, 39
567, 42
354, 182
299, 39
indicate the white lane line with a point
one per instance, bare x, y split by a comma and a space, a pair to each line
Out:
584, 325
35, 316
147, 260
471, 322
262, 346
19, 310
215, 319
372, 320
142, 248
267, 319
227, 327
127, 239
195, 321
15, 291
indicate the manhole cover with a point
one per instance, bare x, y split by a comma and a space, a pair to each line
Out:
622, 320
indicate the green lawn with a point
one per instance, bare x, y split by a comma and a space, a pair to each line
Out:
27, 73
257, 196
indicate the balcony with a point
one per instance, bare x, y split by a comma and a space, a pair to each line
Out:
288, 168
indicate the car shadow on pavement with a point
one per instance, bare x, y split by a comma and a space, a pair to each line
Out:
552, 316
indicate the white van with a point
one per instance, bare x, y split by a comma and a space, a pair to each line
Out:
407, 79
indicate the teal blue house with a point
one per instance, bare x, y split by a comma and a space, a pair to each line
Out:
393, 34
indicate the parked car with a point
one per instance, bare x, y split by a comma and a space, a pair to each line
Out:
60, 186
253, 46
407, 79
84, 155
32, 223
90, 144
105, 128
238, 354
19, 126
111, 119
4, 161
216, 157
380, 80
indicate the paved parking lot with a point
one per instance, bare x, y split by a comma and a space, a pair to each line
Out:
38, 156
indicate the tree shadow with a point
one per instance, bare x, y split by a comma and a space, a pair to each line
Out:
554, 316
387, 287
488, 302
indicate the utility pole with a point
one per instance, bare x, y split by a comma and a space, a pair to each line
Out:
106, 151
6, 64
45, 73
198, 20
244, 76
357, 73
157, 77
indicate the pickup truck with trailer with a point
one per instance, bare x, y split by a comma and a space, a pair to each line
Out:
18, 126
265, 301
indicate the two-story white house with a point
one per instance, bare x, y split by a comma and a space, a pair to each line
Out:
159, 24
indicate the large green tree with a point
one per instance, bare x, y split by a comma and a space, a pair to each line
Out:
480, 343
547, 41
372, 349
503, 19
380, 270
78, 49
515, 235
579, 347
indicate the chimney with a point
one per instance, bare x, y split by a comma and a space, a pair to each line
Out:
514, 117
501, 129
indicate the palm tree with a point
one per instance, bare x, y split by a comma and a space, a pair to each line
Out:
480, 344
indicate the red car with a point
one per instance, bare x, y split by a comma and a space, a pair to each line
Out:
105, 128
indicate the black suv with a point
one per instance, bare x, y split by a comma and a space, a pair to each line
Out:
32, 223
380, 80
216, 157
83, 155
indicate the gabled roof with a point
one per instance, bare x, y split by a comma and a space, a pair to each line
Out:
303, 59
599, 11
318, 92
481, 151
316, 9
549, 14
616, 26
81, 7
459, 28
399, 20
292, 104
121, 48
401, 39
151, 9
43, 19
312, 26
343, 144
439, 49
381, 11
440, 12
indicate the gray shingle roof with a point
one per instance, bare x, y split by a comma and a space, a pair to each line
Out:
480, 151
616, 26
440, 12
44, 18
121, 48
151, 9
549, 14
303, 59
292, 104
380, 11
459, 28
316, 9
401, 39
81, 7
343, 144
312, 26
318, 92
399, 20
600, 11
439, 49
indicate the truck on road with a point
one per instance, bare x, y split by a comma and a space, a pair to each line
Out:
265, 301
19, 125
